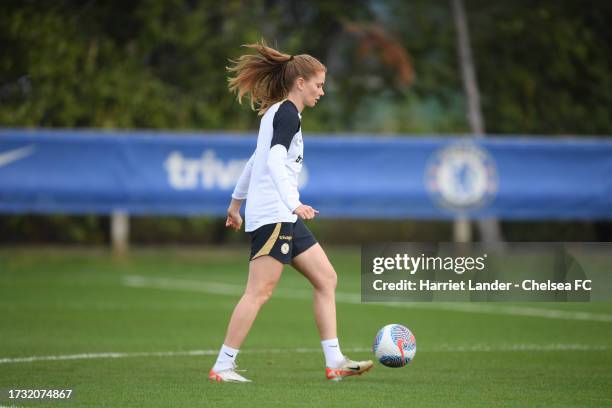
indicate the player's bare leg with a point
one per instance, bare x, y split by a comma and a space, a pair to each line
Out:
315, 266
264, 274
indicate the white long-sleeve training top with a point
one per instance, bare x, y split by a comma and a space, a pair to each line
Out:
269, 181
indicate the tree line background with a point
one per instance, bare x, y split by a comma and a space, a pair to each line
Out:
543, 67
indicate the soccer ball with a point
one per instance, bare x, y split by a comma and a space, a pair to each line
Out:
394, 345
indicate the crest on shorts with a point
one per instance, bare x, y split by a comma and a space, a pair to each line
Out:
285, 248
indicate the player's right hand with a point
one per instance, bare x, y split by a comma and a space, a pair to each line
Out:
234, 220
305, 212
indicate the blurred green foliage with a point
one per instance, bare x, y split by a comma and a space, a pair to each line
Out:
94, 230
543, 66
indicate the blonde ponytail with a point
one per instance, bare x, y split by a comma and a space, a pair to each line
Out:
267, 76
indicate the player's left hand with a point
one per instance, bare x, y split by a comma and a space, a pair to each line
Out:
306, 212
234, 220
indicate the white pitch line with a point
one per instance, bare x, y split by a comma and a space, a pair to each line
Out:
353, 298
442, 348
91, 356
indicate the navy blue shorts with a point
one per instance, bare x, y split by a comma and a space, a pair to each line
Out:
283, 241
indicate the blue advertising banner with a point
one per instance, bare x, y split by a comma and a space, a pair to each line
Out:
48, 171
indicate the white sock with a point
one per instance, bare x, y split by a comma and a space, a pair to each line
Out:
333, 355
226, 358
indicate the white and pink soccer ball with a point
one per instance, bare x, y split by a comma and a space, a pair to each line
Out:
394, 346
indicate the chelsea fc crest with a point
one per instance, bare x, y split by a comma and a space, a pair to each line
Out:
285, 248
461, 176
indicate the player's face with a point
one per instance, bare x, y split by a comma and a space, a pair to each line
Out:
313, 89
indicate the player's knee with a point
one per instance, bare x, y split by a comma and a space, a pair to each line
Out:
329, 280
261, 296
333, 279
264, 296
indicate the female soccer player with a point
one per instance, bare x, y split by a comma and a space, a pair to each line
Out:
280, 86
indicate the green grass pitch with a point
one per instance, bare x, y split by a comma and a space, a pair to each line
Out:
164, 313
